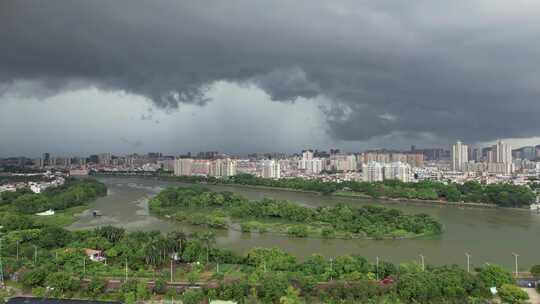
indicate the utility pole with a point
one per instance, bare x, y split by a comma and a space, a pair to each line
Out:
35, 255
126, 270
377, 266
1, 267
17, 250
468, 261
422, 262
84, 266
331, 268
171, 271
516, 262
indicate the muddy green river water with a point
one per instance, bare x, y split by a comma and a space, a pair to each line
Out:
489, 235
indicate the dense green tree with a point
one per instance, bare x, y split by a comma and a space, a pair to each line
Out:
62, 282
192, 296
418, 287
54, 237
111, 233
377, 222
271, 259
500, 194
291, 297
34, 277
12, 221
160, 286
535, 270
273, 286
142, 291
96, 287
512, 294
493, 275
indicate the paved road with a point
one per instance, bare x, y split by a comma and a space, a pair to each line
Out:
534, 297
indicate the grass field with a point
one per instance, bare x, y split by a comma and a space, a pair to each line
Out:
60, 218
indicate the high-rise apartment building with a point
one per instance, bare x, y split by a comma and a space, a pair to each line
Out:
373, 172
200, 167
307, 155
398, 171
271, 169
183, 167
460, 156
104, 159
223, 167
502, 153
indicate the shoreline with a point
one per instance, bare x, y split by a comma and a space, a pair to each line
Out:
352, 195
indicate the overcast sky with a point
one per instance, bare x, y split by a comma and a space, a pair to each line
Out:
80, 77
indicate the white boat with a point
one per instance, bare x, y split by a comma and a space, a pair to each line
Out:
44, 213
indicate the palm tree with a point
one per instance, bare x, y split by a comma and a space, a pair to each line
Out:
152, 252
178, 240
208, 238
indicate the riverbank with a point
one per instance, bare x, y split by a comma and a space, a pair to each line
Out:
339, 193
60, 218
351, 194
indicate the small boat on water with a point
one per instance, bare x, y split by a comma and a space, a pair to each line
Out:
96, 213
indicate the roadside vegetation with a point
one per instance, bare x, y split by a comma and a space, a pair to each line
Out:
51, 262
200, 206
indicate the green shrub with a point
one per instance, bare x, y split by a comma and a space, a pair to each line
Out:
298, 231
512, 294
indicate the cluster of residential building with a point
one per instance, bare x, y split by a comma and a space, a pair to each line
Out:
42, 182
203, 167
460, 163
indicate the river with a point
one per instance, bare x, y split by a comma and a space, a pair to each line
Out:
489, 235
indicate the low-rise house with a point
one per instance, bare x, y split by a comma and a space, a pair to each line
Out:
94, 255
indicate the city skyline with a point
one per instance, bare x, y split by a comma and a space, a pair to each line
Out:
470, 149
356, 75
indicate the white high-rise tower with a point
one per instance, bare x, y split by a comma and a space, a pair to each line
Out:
460, 156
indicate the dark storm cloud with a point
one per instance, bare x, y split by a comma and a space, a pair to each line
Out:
453, 69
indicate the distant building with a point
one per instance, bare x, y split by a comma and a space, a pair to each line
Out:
342, 162
307, 155
460, 156
45, 158
200, 167
183, 167
373, 172
271, 169
501, 153
528, 153
311, 166
207, 155
166, 164
415, 159
105, 159
397, 171
223, 167
78, 172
